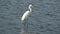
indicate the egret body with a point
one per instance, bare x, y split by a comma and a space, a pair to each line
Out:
26, 14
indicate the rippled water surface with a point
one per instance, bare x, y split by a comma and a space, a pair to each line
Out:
45, 18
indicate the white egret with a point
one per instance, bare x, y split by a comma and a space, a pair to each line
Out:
25, 15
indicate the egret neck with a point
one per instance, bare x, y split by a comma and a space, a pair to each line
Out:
30, 8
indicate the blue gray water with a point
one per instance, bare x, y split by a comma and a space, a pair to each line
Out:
45, 18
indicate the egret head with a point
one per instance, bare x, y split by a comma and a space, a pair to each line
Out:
30, 6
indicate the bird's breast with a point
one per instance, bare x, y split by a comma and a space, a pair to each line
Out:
25, 15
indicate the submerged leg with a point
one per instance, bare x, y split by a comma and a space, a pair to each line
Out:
24, 30
25, 26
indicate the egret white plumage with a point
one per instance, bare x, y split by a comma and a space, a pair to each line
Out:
26, 14
24, 17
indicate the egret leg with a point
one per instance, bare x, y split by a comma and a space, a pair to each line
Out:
24, 30
27, 25
24, 25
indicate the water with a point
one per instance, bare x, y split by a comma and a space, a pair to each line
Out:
45, 18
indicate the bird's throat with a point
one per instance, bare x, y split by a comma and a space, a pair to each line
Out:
30, 9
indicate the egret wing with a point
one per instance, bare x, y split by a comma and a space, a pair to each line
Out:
25, 15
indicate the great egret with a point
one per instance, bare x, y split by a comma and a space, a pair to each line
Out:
25, 15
